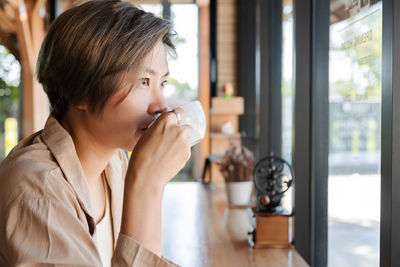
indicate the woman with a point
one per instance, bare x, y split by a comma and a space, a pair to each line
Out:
68, 195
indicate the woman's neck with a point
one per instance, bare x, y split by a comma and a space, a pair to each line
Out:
93, 155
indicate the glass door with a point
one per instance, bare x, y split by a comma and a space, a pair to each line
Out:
355, 62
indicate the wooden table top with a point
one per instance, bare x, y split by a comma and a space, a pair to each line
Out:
200, 230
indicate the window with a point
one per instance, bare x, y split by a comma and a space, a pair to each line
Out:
183, 81
182, 84
355, 63
10, 70
287, 89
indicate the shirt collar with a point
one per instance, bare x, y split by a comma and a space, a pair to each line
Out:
115, 180
61, 145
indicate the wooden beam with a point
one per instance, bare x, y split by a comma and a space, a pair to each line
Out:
37, 25
13, 3
39, 4
24, 37
67, 4
6, 23
9, 10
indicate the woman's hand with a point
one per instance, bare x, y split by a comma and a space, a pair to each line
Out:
161, 152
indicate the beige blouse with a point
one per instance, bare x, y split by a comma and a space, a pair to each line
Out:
45, 213
104, 230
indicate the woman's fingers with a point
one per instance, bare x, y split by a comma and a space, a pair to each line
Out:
167, 144
174, 116
186, 131
179, 113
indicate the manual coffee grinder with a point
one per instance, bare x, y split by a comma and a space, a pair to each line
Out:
272, 224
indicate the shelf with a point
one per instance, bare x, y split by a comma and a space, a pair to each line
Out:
221, 112
231, 106
224, 136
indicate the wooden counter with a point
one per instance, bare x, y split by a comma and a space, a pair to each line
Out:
200, 230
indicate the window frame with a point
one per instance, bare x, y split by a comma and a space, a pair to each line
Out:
390, 146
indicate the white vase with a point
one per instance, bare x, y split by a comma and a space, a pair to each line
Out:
239, 193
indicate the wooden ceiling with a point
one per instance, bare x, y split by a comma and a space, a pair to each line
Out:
22, 26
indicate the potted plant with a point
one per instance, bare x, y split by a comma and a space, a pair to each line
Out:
236, 166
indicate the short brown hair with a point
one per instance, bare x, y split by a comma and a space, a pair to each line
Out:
89, 46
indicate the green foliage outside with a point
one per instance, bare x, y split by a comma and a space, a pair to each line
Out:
9, 90
356, 47
9, 84
365, 59
182, 89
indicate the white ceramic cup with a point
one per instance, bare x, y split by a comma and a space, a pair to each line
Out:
194, 116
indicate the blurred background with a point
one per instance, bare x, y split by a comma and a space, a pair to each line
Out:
248, 63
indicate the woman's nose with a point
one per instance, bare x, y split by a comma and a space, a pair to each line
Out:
157, 104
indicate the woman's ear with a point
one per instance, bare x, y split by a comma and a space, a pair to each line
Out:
81, 107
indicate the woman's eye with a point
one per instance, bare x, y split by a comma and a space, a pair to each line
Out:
163, 84
145, 81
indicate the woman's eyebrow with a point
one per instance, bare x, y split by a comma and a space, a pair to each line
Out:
152, 72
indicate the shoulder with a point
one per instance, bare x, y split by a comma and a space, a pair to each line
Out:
31, 154
29, 172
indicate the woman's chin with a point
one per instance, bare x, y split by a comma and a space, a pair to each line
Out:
129, 146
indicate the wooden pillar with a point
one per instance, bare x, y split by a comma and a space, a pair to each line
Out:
204, 78
67, 4
30, 32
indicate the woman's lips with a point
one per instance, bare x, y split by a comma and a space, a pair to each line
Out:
150, 122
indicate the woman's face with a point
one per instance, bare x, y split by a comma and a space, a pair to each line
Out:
124, 121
